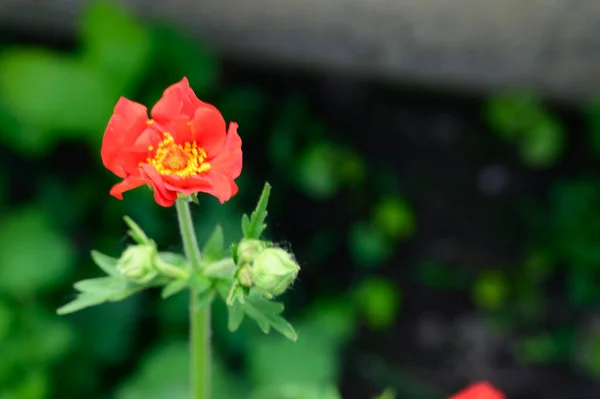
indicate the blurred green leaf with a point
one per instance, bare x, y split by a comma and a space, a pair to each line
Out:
513, 112
115, 44
387, 394
33, 255
351, 168
244, 105
174, 287
276, 361
317, 171
368, 246
35, 384
164, 373
6, 320
50, 94
583, 288
542, 144
394, 217
176, 55
490, 291
437, 275
296, 391
379, 301
214, 249
545, 348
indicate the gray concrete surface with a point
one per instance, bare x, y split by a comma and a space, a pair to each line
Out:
549, 45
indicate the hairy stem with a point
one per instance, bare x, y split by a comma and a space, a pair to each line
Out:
200, 349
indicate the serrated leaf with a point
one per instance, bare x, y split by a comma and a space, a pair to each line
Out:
81, 302
215, 246
258, 316
254, 228
136, 232
174, 259
204, 299
235, 316
105, 286
264, 305
106, 263
99, 290
173, 288
283, 327
245, 224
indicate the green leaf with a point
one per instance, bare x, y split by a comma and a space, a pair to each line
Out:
84, 105
104, 286
543, 144
297, 391
214, 249
136, 232
490, 291
115, 43
379, 300
235, 316
173, 288
99, 290
369, 247
387, 394
267, 314
34, 256
204, 299
177, 55
81, 302
254, 227
106, 263
317, 171
394, 217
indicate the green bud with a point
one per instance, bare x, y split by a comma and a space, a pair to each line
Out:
273, 271
137, 263
248, 250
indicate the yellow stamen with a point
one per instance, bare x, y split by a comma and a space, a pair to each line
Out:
183, 160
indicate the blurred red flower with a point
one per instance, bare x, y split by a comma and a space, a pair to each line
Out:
184, 149
479, 390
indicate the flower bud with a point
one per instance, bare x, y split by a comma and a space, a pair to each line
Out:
137, 263
248, 250
273, 271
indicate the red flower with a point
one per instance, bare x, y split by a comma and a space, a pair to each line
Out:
479, 390
184, 149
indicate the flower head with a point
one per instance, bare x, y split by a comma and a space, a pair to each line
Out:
479, 390
185, 149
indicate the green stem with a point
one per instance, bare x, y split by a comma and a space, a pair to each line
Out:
200, 350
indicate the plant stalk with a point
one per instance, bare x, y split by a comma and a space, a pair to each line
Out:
200, 348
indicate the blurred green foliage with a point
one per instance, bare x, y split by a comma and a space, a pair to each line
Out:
55, 208
53, 101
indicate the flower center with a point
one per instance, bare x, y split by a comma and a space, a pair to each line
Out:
176, 159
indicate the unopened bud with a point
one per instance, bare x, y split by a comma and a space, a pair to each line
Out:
273, 271
248, 251
137, 263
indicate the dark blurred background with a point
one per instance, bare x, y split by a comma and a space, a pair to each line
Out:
435, 171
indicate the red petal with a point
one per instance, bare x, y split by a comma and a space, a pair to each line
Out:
128, 122
479, 390
229, 159
128, 184
177, 99
208, 130
212, 182
162, 195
